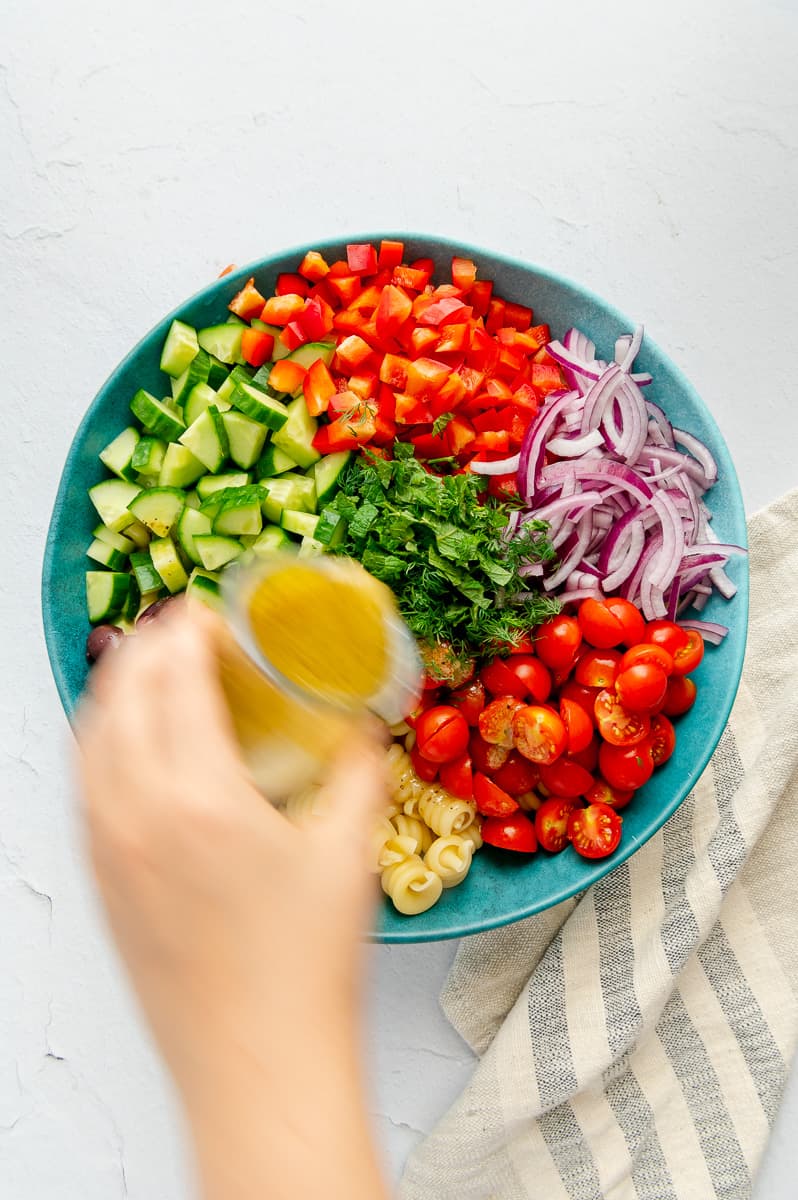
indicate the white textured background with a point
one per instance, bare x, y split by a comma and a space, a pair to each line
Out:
649, 150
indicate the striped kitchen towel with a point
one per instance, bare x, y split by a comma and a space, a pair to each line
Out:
635, 1041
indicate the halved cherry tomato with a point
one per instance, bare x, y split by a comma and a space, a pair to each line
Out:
600, 626
500, 680
491, 800
426, 770
458, 777
585, 697
533, 676
470, 699
539, 733
515, 832
602, 793
485, 756
662, 739
517, 775
634, 625
680, 696
558, 640
443, 664
647, 652
551, 823
618, 725
588, 758
597, 668
687, 658
626, 767
594, 831
496, 720
428, 700
641, 688
577, 723
667, 634
442, 733
565, 778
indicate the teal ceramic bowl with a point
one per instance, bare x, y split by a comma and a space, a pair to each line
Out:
500, 888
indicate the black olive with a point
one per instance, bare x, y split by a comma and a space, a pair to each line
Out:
102, 638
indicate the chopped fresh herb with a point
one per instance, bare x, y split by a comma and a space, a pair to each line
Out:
440, 423
456, 578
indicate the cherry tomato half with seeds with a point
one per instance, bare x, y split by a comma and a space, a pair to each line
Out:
551, 823
680, 696
585, 697
617, 724
662, 739
496, 720
426, 770
667, 634
641, 688
470, 699
626, 767
534, 678
539, 733
594, 831
632, 620
597, 668
578, 725
517, 775
647, 652
602, 793
442, 733
492, 801
600, 626
458, 777
689, 656
515, 832
485, 756
565, 778
558, 640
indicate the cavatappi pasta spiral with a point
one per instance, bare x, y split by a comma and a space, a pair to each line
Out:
450, 858
414, 827
411, 885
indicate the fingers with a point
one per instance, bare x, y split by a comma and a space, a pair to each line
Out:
357, 782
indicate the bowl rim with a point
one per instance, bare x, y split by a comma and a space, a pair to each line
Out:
594, 870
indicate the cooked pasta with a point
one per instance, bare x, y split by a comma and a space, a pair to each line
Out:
414, 827
404, 786
450, 858
445, 814
382, 832
396, 850
411, 886
473, 833
307, 805
530, 801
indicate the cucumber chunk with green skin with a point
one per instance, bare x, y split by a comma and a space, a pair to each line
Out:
117, 456
204, 586
273, 461
189, 524
236, 376
106, 594
296, 434
199, 399
311, 352
239, 515
118, 541
139, 534
249, 494
217, 483
331, 529
196, 372
301, 523
215, 551
180, 468
179, 348
148, 457
158, 509
310, 548
246, 438
192, 499
287, 491
107, 556
256, 404
271, 540
111, 498
222, 341
207, 439
133, 600
156, 418
217, 372
166, 561
327, 473
146, 576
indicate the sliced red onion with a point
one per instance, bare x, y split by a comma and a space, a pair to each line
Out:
698, 451
632, 350
710, 631
503, 466
599, 395
533, 446
722, 582
573, 447
571, 361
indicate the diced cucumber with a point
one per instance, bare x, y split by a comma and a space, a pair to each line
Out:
133, 600
111, 499
189, 523
179, 349
217, 483
245, 436
239, 514
302, 523
280, 349
180, 467
199, 399
327, 473
106, 594
139, 534
287, 491
312, 351
248, 494
272, 539
107, 555
207, 439
296, 435
331, 529
273, 461
148, 598
192, 499
204, 586
118, 541
196, 372
256, 404
215, 552
158, 509
166, 561
234, 319
156, 418
309, 548
223, 341
236, 376
261, 378
118, 454
146, 576
217, 372
148, 457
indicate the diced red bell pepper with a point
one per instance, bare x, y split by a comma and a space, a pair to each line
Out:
410, 277
279, 310
543, 356
367, 300
362, 258
484, 351
286, 376
451, 395
293, 336
464, 273
498, 389
364, 385
386, 417
511, 359
329, 438
248, 302
518, 426
527, 398
339, 268
541, 333
480, 296
472, 379
348, 320
459, 434
391, 254
426, 376
393, 371
319, 387
424, 264
497, 442
422, 339
454, 339
323, 291
545, 378
313, 266
447, 309
257, 346
351, 352
517, 315
503, 487
495, 318
492, 419
345, 287
393, 310
291, 285
411, 410
316, 319
342, 402
429, 445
